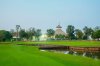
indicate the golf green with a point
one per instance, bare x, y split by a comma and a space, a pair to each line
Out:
15, 55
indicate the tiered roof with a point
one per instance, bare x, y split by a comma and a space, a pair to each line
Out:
59, 31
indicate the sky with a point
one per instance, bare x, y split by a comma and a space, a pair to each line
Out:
45, 14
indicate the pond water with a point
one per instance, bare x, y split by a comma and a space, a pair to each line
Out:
94, 55
69, 50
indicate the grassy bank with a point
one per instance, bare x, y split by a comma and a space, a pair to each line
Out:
68, 43
14, 55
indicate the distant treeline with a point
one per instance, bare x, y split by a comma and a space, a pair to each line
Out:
71, 31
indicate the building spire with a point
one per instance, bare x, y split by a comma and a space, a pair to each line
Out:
59, 23
59, 26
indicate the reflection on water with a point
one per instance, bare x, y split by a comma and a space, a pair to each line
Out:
95, 55
84, 54
66, 52
43, 50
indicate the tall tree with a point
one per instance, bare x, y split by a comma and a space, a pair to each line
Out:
31, 33
79, 34
96, 33
5, 35
2, 36
70, 31
50, 32
17, 31
37, 34
23, 34
87, 32
97, 28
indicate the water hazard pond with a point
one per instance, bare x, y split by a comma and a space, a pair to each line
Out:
95, 55
92, 52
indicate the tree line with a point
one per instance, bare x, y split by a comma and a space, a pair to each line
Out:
87, 33
72, 34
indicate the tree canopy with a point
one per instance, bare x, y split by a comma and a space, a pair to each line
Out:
37, 34
5, 35
79, 34
70, 31
50, 32
87, 32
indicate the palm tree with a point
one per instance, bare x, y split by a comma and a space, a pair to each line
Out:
17, 29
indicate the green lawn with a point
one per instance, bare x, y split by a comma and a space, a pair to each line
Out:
68, 43
15, 55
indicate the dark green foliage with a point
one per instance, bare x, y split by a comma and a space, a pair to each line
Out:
5, 35
96, 34
87, 32
37, 34
85, 37
70, 32
30, 33
60, 37
79, 34
23, 34
50, 32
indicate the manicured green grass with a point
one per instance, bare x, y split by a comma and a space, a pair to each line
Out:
68, 43
16, 55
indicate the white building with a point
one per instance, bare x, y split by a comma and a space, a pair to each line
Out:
58, 31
